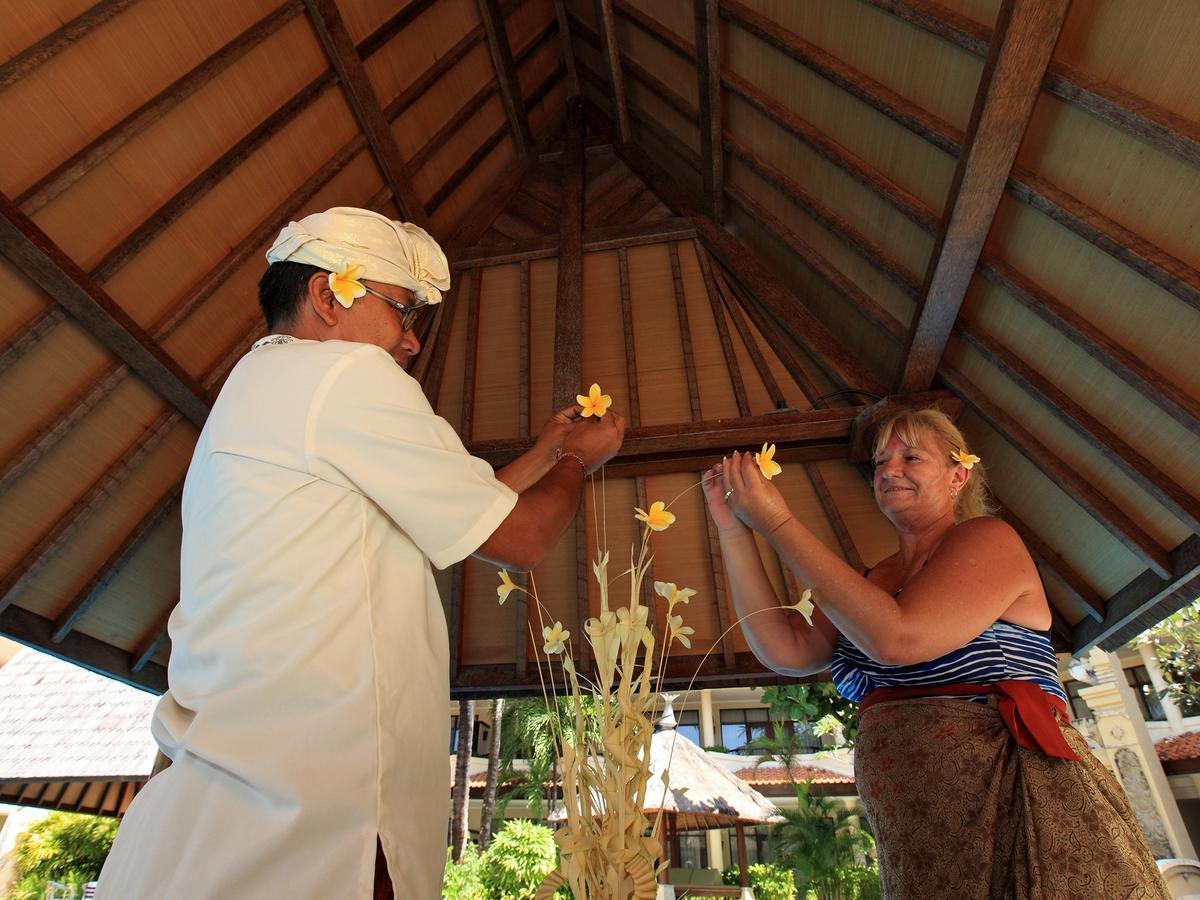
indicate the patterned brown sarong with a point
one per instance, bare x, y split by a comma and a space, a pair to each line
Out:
960, 810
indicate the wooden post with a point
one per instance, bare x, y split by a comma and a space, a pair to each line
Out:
743, 875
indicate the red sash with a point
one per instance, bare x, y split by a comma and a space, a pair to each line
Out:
1031, 714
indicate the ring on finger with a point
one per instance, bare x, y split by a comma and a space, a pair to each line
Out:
729, 493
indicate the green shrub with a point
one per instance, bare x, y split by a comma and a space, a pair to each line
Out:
769, 882
65, 847
517, 860
464, 879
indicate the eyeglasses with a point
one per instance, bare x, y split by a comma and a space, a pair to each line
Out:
407, 313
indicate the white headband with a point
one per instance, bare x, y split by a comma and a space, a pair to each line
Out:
398, 253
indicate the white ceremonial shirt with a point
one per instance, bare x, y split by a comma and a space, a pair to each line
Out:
309, 673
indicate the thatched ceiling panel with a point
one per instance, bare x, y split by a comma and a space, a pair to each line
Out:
488, 629
608, 518
603, 359
33, 20
872, 534
475, 185
498, 374
31, 507
543, 280
1038, 501
558, 586
663, 391
141, 590
73, 97
23, 300
1077, 453
458, 149
417, 124
712, 373
114, 517
798, 490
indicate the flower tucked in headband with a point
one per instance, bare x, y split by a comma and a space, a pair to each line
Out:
964, 459
345, 284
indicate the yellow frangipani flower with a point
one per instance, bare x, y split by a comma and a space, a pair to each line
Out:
506, 587
964, 459
556, 638
658, 518
672, 594
804, 606
679, 631
595, 403
766, 462
345, 284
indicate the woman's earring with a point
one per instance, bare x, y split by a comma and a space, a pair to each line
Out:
953, 493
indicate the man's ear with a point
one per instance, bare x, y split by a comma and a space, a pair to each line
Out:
318, 296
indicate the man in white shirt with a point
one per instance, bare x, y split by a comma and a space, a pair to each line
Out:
306, 716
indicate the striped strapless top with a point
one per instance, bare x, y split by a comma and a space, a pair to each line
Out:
1003, 652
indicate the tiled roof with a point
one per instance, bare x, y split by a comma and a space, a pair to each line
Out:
60, 721
765, 775
1182, 746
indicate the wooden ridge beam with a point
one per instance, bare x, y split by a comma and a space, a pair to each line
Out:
606, 29
66, 35
568, 318
1120, 108
604, 237
1025, 35
506, 75
1146, 593
43, 262
32, 630
568, 51
343, 55
708, 70
67, 173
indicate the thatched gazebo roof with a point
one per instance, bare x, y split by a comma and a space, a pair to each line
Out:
748, 221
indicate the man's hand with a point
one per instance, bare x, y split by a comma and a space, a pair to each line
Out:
596, 440
554, 432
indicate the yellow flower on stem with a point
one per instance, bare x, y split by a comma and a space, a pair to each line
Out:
506, 587
658, 518
964, 459
345, 284
766, 462
679, 631
672, 594
804, 606
556, 638
595, 403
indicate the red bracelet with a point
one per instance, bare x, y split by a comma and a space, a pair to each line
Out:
561, 454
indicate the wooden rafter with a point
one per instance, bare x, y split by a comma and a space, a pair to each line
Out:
144, 650
568, 316
1122, 109
51, 45
1169, 273
32, 251
605, 237
708, 68
1025, 35
343, 56
506, 76
606, 27
568, 50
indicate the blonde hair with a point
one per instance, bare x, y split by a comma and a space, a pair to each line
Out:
912, 425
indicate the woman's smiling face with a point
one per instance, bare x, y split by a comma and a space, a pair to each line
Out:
913, 479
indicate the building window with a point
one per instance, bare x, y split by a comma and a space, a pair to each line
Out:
1147, 696
688, 724
693, 850
756, 846
478, 737
1079, 707
741, 726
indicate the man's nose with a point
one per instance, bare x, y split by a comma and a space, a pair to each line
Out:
410, 343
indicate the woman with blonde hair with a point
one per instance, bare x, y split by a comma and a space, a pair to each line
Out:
973, 781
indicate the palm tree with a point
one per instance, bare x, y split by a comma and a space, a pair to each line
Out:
820, 843
462, 787
531, 731
493, 771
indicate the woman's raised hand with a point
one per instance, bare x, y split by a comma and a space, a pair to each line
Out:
751, 497
714, 496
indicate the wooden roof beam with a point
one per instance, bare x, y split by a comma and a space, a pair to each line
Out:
44, 263
149, 643
506, 75
343, 55
1120, 108
66, 35
568, 50
1026, 32
568, 317
708, 70
606, 29
604, 237
1149, 596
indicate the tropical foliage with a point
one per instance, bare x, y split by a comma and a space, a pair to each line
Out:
1176, 645
530, 729
819, 703
65, 847
822, 847
767, 881
520, 856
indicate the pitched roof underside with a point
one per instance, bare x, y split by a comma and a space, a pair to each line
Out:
758, 220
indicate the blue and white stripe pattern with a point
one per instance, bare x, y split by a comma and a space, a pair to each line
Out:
1003, 652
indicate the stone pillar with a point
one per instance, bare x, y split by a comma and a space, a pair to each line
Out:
715, 837
1125, 747
1150, 661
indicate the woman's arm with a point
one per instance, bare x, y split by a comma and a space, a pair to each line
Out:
979, 571
781, 639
